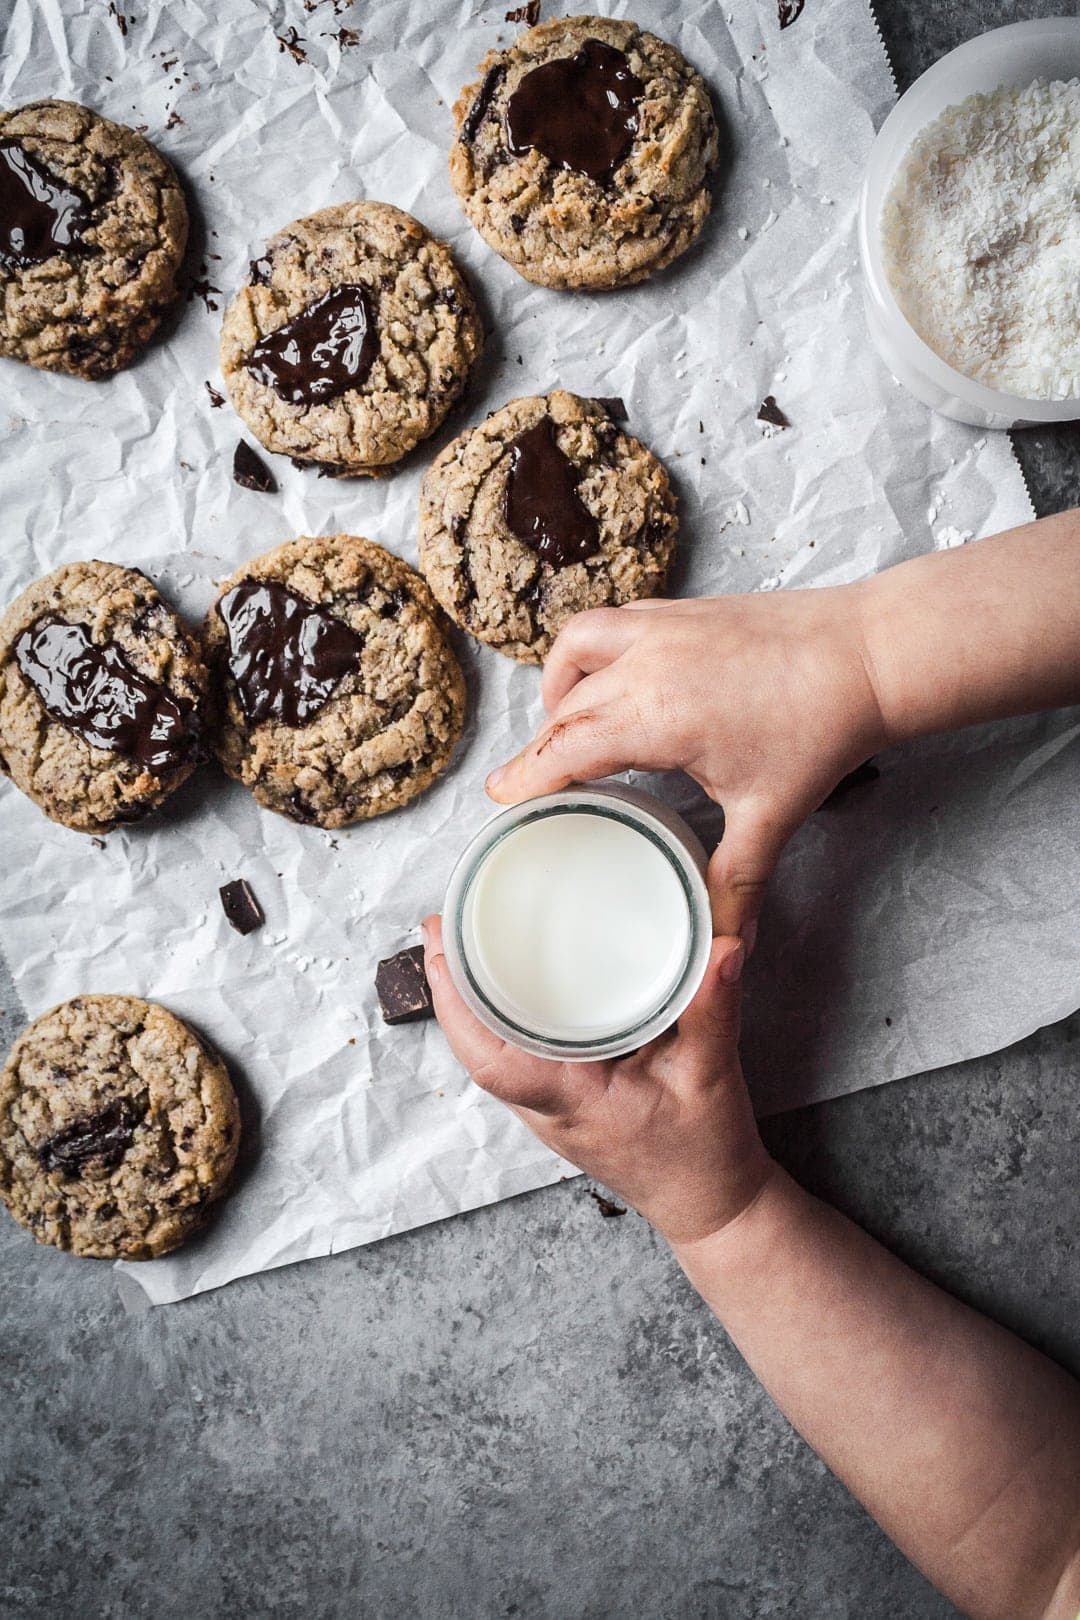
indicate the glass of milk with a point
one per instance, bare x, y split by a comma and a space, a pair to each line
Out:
577, 925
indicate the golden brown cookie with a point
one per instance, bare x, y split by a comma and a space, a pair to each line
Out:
352, 340
335, 694
93, 226
545, 509
118, 1128
101, 694
583, 153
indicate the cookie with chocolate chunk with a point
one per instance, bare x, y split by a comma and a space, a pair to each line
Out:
545, 509
335, 694
584, 151
93, 226
352, 340
101, 693
118, 1128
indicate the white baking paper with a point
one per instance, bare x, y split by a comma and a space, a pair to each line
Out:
925, 920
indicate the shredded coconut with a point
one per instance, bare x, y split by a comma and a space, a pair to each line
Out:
981, 238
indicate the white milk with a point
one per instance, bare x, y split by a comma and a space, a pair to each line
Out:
576, 925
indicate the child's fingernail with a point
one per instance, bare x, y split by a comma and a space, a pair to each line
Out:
425, 930
495, 778
749, 936
433, 967
731, 967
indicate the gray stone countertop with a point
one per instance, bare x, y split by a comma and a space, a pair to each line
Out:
524, 1411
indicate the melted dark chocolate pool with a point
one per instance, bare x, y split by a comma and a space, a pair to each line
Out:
287, 655
40, 214
581, 111
97, 694
543, 507
325, 350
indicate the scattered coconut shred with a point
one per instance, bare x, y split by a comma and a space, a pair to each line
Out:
981, 237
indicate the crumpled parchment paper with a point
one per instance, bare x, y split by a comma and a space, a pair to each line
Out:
924, 920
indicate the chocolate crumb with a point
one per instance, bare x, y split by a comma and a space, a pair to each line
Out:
866, 772
99, 843
291, 41
347, 37
607, 1207
615, 409
789, 11
769, 411
242, 911
250, 470
217, 400
529, 14
402, 987
118, 17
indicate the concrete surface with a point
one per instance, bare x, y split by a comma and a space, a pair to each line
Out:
523, 1412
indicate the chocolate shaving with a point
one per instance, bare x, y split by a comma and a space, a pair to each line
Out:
607, 1207
527, 14
866, 772
250, 470
291, 41
769, 411
402, 987
216, 400
789, 11
240, 906
475, 116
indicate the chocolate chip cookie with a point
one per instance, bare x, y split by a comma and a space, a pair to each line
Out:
101, 692
335, 693
93, 226
118, 1128
352, 339
543, 510
583, 153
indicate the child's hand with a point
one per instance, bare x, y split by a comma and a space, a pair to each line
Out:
669, 1128
765, 700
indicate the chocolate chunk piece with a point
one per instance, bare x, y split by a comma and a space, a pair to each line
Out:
769, 411
99, 696
250, 471
477, 112
615, 408
581, 111
866, 772
287, 655
608, 1208
529, 14
103, 1137
40, 214
324, 351
543, 507
402, 987
789, 11
240, 906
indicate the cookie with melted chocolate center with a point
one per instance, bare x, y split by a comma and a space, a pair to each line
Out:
353, 338
546, 508
335, 694
101, 696
118, 1128
584, 151
93, 226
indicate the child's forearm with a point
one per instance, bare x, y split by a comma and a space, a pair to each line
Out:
961, 1440
979, 633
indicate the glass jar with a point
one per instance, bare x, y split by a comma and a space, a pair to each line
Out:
577, 925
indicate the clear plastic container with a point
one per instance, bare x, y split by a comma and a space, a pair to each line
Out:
1014, 55
667, 833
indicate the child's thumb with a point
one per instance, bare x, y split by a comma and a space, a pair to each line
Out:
709, 1028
